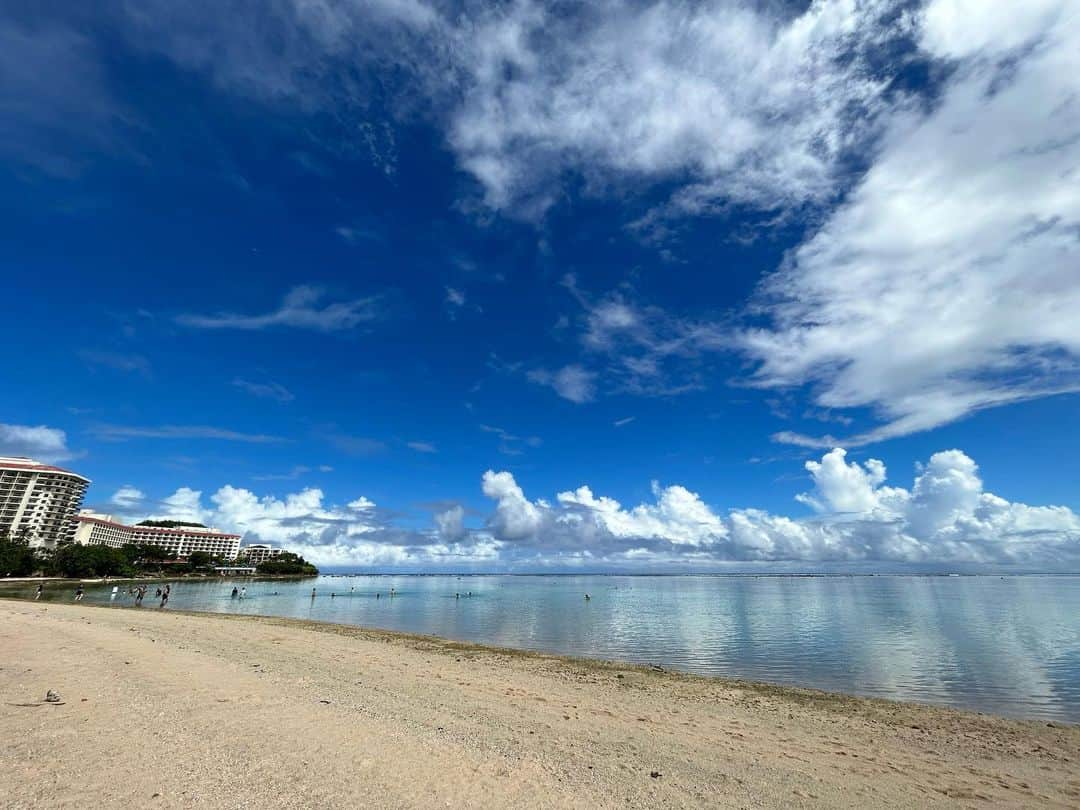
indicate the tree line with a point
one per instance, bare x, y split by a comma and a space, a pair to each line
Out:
18, 559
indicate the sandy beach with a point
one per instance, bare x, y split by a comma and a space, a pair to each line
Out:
164, 709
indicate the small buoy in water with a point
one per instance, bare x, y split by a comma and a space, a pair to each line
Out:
587, 597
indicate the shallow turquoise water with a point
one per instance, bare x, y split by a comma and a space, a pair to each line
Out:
1004, 645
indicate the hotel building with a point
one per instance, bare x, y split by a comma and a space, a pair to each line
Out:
258, 552
38, 501
96, 529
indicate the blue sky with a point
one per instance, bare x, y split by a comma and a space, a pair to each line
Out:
310, 271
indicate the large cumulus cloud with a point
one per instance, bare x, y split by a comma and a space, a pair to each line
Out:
945, 517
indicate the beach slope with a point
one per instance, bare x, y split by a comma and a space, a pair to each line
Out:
162, 709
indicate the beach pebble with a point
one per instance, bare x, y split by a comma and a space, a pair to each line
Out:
655, 774
52, 697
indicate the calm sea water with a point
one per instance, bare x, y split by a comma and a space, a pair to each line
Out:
1004, 645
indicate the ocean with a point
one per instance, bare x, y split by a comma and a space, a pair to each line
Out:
1005, 645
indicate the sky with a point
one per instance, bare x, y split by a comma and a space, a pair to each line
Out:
514, 286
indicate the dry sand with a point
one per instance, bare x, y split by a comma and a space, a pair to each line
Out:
163, 709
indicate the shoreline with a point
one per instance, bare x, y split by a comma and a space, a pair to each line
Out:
418, 721
826, 697
420, 641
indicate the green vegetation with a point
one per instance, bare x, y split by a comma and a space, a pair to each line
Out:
17, 559
88, 561
287, 564
169, 524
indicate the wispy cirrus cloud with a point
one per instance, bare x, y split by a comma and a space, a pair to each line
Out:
265, 390
298, 471
572, 382
52, 76
118, 433
511, 444
422, 447
299, 309
117, 361
350, 444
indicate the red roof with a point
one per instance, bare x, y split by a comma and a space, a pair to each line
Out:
16, 465
155, 529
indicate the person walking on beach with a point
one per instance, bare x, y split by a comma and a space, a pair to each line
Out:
40, 588
79, 594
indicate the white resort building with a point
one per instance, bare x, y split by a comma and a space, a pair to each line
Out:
258, 552
39, 501
95, 529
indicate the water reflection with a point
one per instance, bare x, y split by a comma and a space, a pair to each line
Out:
1006, 645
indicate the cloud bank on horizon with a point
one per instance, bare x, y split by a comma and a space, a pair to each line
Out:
946, 517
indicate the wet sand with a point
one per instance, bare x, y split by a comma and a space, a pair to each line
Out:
166, 709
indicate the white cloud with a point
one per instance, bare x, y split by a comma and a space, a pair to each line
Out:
947, 283
297, 471
757, 105
509, 443
843, 487
515, 517
643, 349
422, 447
185, 504
116, 361
326, 534
127, 498
945, 518
299, 309
749, 103
679, 516
572, 382
265, 390
125, 432
36, 441
451, 523
455, 297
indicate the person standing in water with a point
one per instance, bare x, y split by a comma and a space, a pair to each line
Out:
243, 592
235, 592
79, 594
40, 588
